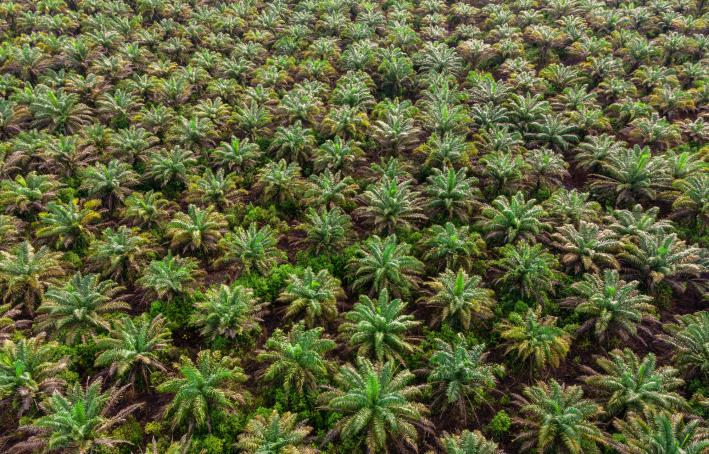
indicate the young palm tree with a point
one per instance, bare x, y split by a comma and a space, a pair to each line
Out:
631, 175
77, 310
198, 230
692, 201
613, 306
330, 190
555, 131
460, 375
72, 225
629, 224
253, 248
214, 188
385, 264
527, 270
556, 418
316, 294
273, 434
170, 277
548, 169
121, 253
662, 258
378, 405
504, 170
450, 246
689, 337
595, 151
459, 298
390, 205
146, 209
571, 207
172, 166
296, 360
293, 143
280, 181
535, 339
468, 443
629, 383
133, 348
660, 432
509, 219
202, 390
25, 273
27, 195
228, 311
58, 111
29, 370
325, 231
337, 154
379, 328
586, 248
451, 193
237, 155
111, 182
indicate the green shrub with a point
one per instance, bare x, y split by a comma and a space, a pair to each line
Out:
500, 424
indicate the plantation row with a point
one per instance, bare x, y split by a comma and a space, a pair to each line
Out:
354, 227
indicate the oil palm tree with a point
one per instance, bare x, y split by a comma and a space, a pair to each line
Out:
236, 155
27, 195
661, 258
58, 111
451, 193
198, 230
274, 433
391, 204
330, 189
133, 348
378, 405
25, 273
613, 307
146, 209
527, 270
385, 264
315, 294
468, 442
254, 248
325, 230
280, 181
630, 383
202, 389
460, 375
111, 182
81, 421
586, 248
451, 247
379, 328
535, 339
228, 311
556, 418
460, 299
170, 166
214, 188
121, 253
631, 175
688, 336
169, 278
656, 432
71, 225
77, 310
509, 219
296, 360
29, 370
